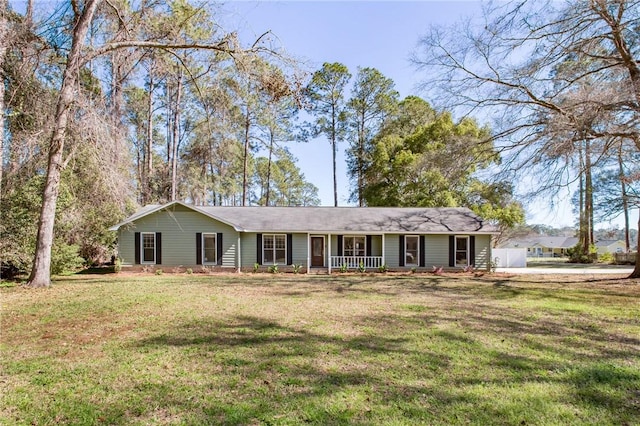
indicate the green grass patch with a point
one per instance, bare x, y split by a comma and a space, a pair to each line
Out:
347, 349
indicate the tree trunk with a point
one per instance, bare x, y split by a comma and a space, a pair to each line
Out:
176, 139
582, 235
360, 156
117, 102
625, 201
4, 35
636, 270
41, 270
589, 198
147, 168
334, 149
245, 159
268, 191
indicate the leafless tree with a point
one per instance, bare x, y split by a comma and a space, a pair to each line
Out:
523, 65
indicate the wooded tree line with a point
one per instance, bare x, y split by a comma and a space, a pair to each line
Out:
110, 105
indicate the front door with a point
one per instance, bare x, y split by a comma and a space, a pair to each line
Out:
317, 251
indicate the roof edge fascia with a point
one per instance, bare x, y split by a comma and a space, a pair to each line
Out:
347, 232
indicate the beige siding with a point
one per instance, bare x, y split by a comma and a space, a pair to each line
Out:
248, 249
126, 246
391, 248
436, 248
178, 227
483, 251
334, 246
300, 249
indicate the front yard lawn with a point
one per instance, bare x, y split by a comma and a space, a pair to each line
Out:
346, 349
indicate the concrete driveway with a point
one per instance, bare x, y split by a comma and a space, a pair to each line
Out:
570, 268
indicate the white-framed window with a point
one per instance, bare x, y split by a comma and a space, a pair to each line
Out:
274, 249
209, 255
148, 247
354, 245
412, 250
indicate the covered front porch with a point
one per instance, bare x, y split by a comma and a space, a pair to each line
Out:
346, 252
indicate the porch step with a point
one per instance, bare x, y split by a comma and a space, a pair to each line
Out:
319, 271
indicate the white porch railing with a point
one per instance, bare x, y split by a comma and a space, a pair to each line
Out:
354, 262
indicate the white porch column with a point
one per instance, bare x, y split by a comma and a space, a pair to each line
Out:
384, 261
329, 254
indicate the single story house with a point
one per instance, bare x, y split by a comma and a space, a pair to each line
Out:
178, 234
610, 246
543, 246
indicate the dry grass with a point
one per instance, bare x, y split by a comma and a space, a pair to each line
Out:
346, 349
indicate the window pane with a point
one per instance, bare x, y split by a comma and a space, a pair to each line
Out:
359, 246
209, 248
411, 251
267, 241
281, 256
268, 256
348, 246
281, 242
462, 258
148, 247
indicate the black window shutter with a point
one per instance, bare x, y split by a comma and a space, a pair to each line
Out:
472, 250
136, 248
199, 248
401, 250
158, 248
259, 249
452, 250
422, 251
368, 244
219, 252
340, 250
289, 249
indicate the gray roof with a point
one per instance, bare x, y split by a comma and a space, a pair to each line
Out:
607, 243
445, 220
542, 241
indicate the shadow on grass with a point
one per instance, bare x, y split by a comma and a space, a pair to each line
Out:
97, 270
433, 351
292, 373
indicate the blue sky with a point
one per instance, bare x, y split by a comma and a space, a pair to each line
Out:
378, 34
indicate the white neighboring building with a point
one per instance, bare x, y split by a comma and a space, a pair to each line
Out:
510, 257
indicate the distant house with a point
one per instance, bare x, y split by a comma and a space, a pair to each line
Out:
611, 246
178, 234
543, 246
557, 246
